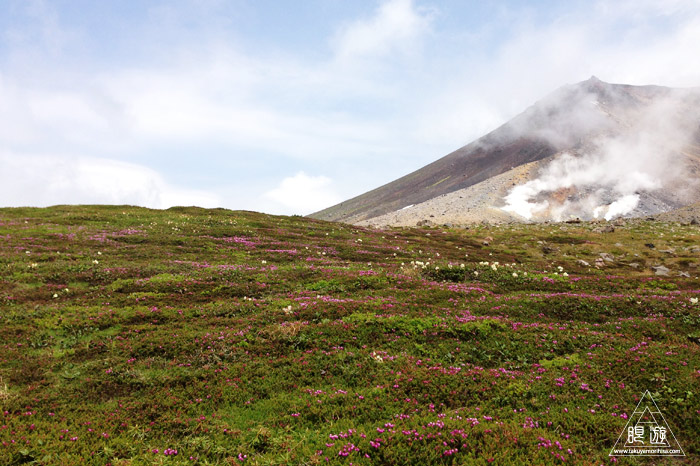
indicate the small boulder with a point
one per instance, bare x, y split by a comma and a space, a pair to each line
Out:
548, 248
583, 263
660, 270
607, 257
604, 229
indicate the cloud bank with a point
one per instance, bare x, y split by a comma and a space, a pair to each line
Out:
45, 180
306, 194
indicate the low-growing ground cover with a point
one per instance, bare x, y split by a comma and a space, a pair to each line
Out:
192, 336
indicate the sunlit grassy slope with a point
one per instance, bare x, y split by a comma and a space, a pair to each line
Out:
191, 336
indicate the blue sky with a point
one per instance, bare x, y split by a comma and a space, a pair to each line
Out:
290, 106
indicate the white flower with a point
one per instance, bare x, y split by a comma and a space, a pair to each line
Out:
264, 261
55, 295
95, 262
288, 310
377, 357
565, 274
693, 300
515, 275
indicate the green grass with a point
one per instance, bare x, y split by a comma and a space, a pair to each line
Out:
241, 338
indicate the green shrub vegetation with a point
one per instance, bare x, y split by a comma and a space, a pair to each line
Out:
189, 336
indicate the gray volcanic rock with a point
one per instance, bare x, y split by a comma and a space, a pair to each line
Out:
660, 270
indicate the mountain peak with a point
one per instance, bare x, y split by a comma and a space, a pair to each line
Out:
593, 84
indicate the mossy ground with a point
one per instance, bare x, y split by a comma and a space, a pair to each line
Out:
188, 336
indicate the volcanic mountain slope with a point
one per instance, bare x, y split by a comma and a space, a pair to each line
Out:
686, 214
477, 203
591, 149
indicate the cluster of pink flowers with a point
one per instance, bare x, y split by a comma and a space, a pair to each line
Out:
347, 449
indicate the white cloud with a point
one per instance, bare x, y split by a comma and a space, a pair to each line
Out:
44, 180
395, 27
304, 194
631, 42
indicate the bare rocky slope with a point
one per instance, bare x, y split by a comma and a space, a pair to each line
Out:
471, 184
477, 203
686, 214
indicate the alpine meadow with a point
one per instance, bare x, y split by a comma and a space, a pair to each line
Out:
191, 336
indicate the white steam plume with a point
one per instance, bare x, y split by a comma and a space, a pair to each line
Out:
622, 206
640, 151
